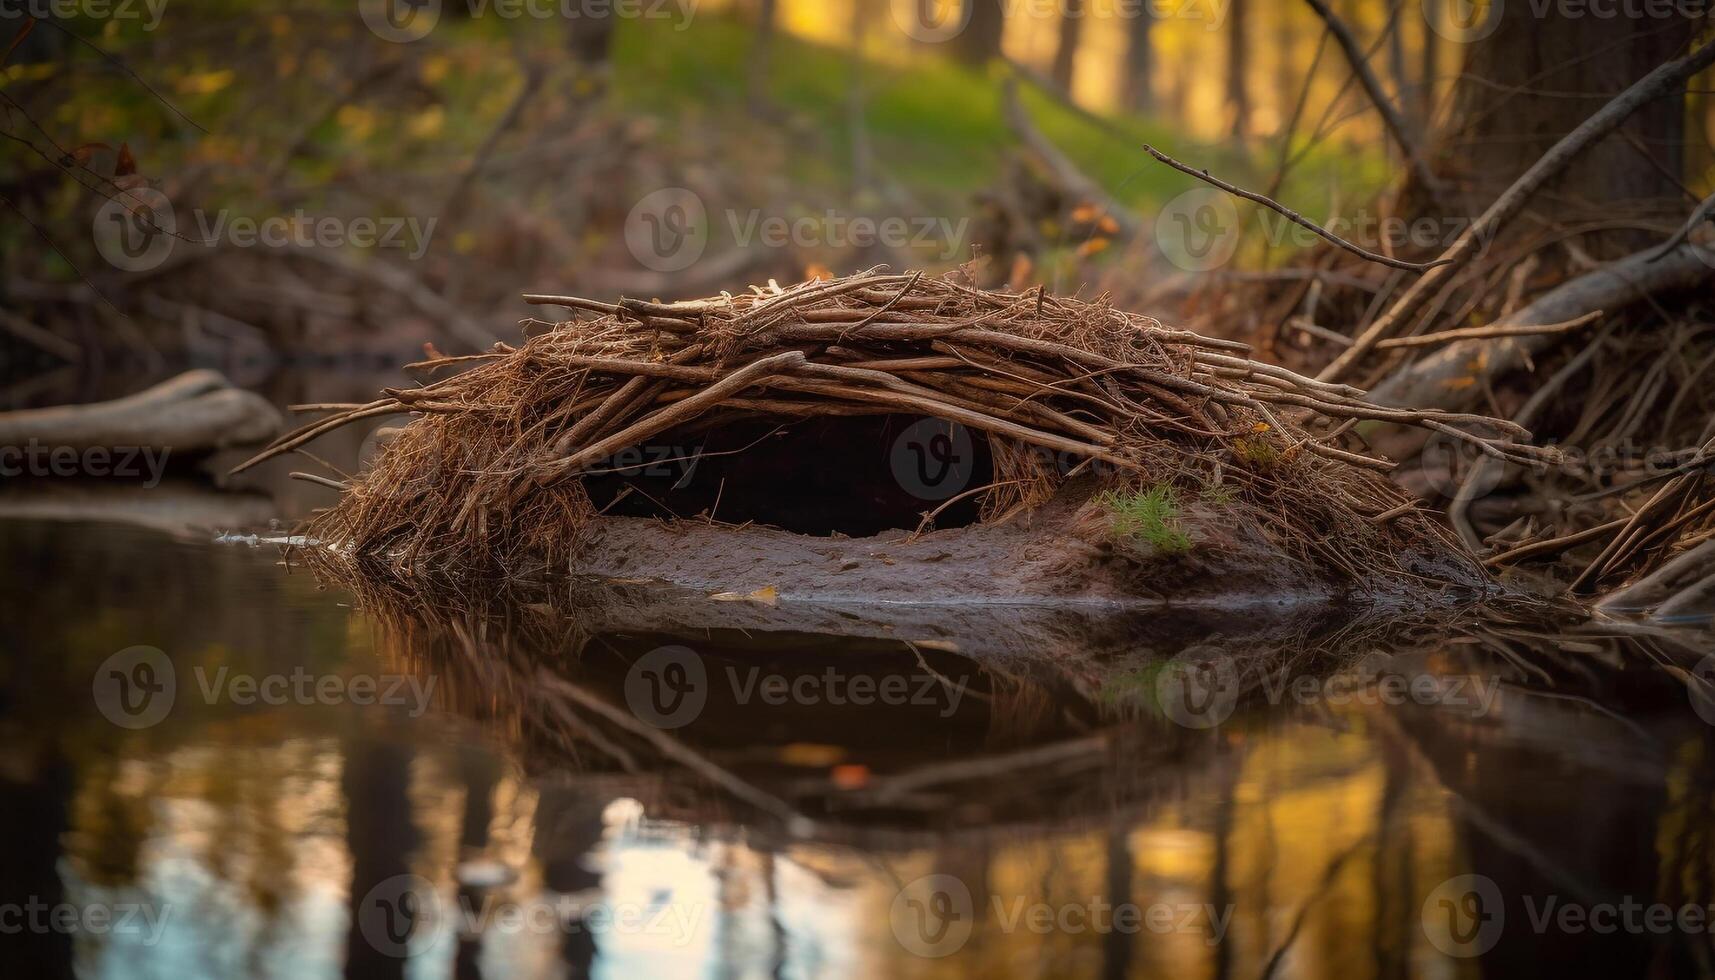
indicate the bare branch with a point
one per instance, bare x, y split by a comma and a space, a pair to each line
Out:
1291, 215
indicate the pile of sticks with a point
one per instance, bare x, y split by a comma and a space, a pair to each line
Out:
488, 473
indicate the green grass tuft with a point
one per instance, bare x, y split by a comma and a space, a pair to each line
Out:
1150, 516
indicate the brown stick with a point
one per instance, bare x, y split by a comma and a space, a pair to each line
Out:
1485, 333
667, 418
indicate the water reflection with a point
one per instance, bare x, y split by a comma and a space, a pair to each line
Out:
1054, 818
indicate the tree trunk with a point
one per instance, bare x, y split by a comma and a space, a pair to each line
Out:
1429, 67
1398, 68
985, 22
1532, 81
1066, 55
1237, 96
762, 50
1139, 91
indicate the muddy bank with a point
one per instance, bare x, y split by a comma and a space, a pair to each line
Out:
1045, 558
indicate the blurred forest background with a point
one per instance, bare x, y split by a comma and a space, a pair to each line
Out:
517, 147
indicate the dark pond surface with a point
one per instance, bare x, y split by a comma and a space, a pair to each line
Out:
213, 766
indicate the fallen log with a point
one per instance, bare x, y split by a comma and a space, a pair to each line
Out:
196, 412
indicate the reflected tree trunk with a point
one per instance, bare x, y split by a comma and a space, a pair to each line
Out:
1117, 943
381, 836
33, 818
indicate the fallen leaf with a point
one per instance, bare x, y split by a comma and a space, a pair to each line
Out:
811, 755
850, 776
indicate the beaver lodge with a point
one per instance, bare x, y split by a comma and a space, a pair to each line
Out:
1091, 449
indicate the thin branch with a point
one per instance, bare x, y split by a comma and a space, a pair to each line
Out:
1396, 124
1700, 215
1292, 215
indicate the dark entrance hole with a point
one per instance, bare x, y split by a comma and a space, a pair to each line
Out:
855, 476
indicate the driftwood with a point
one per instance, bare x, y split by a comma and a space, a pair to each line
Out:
197, 411
1450, 379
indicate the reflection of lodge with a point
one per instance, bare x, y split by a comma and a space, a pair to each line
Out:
1322, 829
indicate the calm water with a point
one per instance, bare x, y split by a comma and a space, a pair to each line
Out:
210, 765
